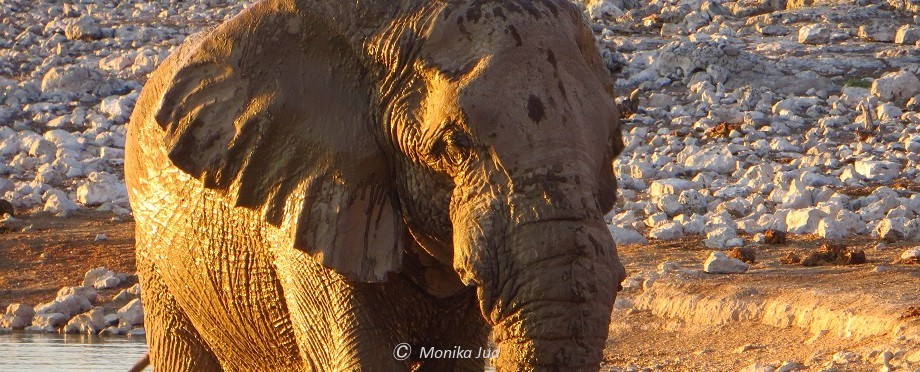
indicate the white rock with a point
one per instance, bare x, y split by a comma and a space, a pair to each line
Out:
693, 201
135, 290
667, 231
846, 357
804, 221
853, 95
878, 171
692, 225
897, 87
111, 320
71, 79
719, 263
101, 278
722, 238
656, 219
14, 322
876, 33
622, 236
58, 202
88, 293
132, 313
911, 253
794, 105
88, 323
670, 205
106, 283
68, 305
101, 188
117, 106
63, 139
716, 159
603, 9
829, 228
907, 34
730, 116
622, 303
20, 310
672, 186
52, 321
814, 34
892, 229
83, 28
114, 330
888, 111
912, 143
38, 147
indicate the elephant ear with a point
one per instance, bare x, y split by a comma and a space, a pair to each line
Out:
275, 116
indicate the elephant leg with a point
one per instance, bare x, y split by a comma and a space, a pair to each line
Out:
173, 341
340, 327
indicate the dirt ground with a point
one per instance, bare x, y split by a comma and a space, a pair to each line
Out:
56, 252
706, 329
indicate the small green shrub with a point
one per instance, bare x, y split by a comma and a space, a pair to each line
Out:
858, 82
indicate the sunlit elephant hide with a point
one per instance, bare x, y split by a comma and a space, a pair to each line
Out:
351, 185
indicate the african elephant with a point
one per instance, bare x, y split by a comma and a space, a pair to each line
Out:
316, 182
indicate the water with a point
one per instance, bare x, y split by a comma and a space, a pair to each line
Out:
54, 352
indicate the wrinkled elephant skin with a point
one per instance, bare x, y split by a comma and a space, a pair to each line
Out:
317, 182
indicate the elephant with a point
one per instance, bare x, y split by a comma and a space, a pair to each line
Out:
378, 185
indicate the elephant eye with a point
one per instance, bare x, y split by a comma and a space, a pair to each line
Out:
458, 148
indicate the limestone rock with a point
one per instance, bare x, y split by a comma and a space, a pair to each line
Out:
132, 313
814, 34
897, 87
719, 263
88, 323
667, 231
907, 34
622, 236
83, 28
804, 221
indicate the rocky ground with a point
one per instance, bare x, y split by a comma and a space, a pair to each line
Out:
55, 276
744, 121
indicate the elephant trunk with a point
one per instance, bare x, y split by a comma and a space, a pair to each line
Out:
554, 298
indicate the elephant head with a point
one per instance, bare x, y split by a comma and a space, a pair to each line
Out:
476, 134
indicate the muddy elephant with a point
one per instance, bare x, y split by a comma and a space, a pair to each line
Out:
372, 185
